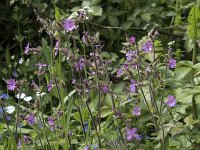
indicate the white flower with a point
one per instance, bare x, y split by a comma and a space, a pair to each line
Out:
22, 95
38, 94
28, 98
21, 61
10, 109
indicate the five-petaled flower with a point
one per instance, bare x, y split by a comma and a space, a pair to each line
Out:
172, 63
131, 134
69, 25
171, 101
11, 84
31, 119
137, 111
130, 55
147, 46
80, 64
10, 109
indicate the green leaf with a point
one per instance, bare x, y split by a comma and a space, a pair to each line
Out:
189, 120
97, 10
114, 56
189, 44
113, 21
177, 129
126, 25
118, 87
182, 72
57, 14
146, 17
87, 3
185, 95
105, 111
20, 130
185, 63
67, 98
106, 54
173, 142
115, 12
193, 29
46, 51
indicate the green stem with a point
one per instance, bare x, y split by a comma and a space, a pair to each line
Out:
193, 100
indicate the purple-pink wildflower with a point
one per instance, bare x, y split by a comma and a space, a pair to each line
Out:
105, 89
133, 86
73, 81
137, 111
130, 55
40, 65
50, 86
30, 119
131, 134
132, 40
85, 38
119, 72
125, 65
60, 113
26, 49
69, 24
80, 65
11, 84
147, 46
51, 122
171, 101
86, 147
57, 47
27, 139
172, 63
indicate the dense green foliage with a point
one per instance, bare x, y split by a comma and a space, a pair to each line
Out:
96, 74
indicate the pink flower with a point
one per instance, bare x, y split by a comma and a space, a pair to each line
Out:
172, 63
80, 65
31, 119
11, 84
171, 102
69, 25
132, 39
50, 86
105, 89
133, 86
137, 111
147, 46
40, 65
26, 49
131, 134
